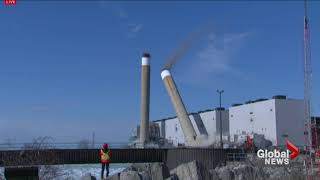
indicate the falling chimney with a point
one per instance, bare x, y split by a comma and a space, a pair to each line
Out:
185, 122
145, 98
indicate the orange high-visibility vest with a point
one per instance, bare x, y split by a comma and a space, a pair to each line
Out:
105, 156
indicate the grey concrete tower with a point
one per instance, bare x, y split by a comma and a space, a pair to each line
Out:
145, 98
185, 122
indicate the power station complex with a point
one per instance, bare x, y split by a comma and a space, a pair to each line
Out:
277, 119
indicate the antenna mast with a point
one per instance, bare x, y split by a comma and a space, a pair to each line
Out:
311, 139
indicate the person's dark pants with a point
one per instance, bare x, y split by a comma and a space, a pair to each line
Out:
104, 166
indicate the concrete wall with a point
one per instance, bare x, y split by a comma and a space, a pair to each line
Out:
290, 121
225, 122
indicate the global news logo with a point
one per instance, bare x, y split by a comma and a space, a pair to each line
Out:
10, 2
277, 157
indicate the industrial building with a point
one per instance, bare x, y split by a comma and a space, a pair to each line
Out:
204, 122
277, 119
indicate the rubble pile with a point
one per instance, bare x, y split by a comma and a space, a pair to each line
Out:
194, 170
261, 142
143, 171
243, 171
191, 170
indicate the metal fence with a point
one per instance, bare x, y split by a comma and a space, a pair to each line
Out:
171, 157
62, 145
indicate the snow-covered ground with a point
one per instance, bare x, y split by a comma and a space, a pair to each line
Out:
74, 172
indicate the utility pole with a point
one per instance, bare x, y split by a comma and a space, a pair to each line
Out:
220, 116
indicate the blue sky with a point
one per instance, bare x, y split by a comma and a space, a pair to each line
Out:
71, 68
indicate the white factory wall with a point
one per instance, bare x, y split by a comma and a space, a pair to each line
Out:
209, 121
290, 121
204, 123
273, 118
198, 124
172, 131
252, 118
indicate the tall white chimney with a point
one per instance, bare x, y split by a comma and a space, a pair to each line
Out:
145, 98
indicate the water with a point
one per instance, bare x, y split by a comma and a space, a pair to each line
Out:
74, 172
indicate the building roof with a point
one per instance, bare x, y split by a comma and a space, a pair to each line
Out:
279, 97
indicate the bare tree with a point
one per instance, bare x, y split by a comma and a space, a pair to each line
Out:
40, 152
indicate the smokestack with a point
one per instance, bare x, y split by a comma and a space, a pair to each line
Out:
145, 98
186, 125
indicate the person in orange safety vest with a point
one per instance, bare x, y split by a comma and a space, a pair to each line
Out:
105, 156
